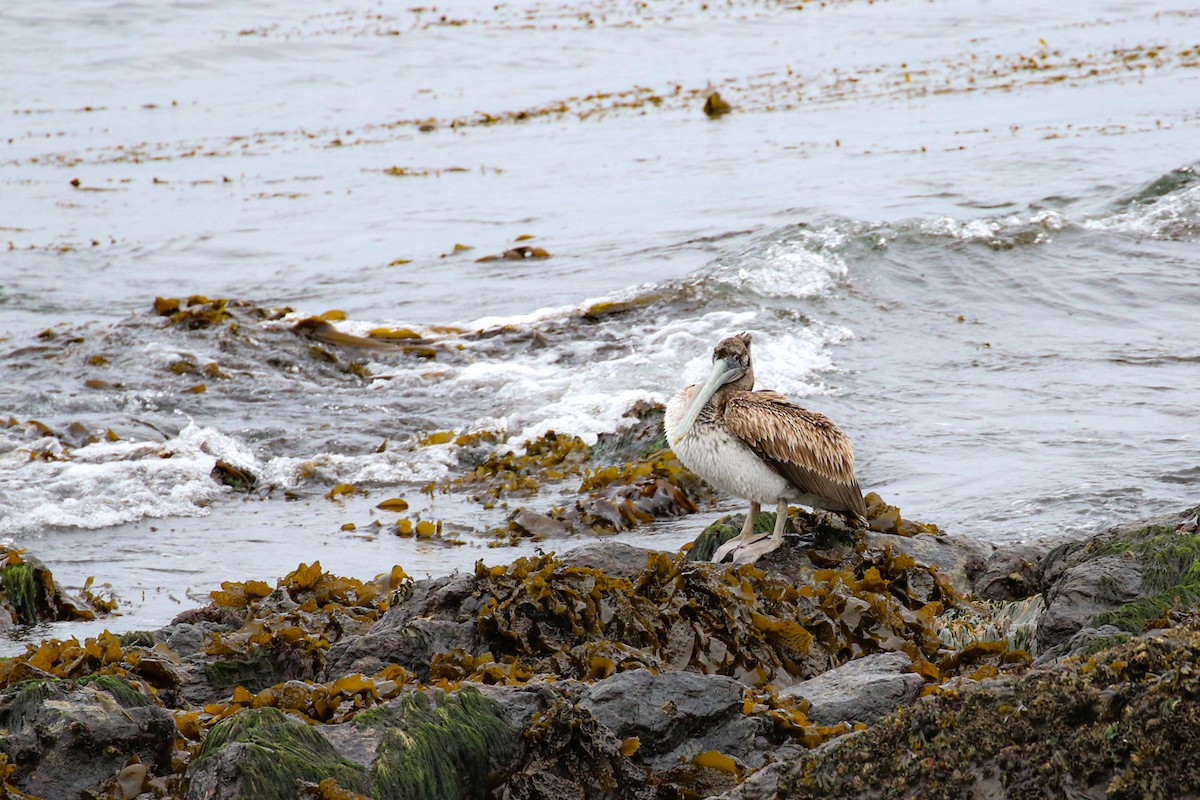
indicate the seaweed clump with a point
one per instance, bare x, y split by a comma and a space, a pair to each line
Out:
287, 630
550, 457
756, 626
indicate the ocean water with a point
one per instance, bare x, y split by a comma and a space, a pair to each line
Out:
967, 232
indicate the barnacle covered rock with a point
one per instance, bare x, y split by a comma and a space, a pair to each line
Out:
1118, 724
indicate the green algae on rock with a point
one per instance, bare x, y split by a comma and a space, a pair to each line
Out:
275, 751
438, 745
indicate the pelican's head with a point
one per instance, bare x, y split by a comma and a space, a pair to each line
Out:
731, 365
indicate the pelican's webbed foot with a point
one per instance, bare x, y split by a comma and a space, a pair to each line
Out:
747, 551
748, 547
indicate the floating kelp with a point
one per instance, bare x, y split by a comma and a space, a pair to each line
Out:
715, 105
521, 253
384, 339
236, 478
196, 311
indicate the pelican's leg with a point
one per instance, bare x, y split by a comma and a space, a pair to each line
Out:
746, 535
781, 518
756, 549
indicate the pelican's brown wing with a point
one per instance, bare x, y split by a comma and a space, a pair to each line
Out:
803, 446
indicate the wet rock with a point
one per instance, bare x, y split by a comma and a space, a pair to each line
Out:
1012, 573
676, 715
643, 436
1083, 592
1132, 576
187, 638
451, 597
1088, 640
66, 736
613, 558
813, 541
532, 523
863, 690
763, 784
725, 528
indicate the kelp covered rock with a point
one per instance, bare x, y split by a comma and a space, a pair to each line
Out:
29, 594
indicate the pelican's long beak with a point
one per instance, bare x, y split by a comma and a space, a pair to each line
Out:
722, 373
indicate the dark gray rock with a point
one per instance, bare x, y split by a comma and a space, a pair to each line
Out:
642, 436
676, 715
67, 736
863, 690
186, 638
394, 639
451, 597
517, 704
1080, 592
1012, 573
613, 558
959, 559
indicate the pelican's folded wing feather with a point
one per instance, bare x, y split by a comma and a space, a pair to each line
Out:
804, 446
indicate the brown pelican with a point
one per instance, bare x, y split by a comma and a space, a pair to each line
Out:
760, 446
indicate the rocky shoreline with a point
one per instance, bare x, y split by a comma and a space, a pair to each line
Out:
889, 661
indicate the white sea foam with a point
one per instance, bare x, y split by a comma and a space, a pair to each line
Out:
388, 467
996, 230
800, 264
1172, 216
110, 483
587, 391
